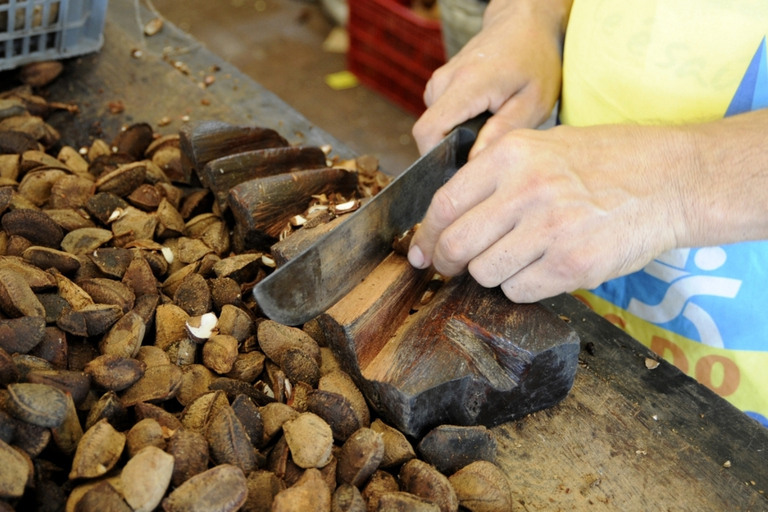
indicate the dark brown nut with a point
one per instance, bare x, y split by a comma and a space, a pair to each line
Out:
250, 417
140, 278
98, 451
146, 432
31, 439
336, 411
310, 440
26, 363
167, 420
404, 501
73, 382
103, 206
340, 382
35, 226
145, 197
101, 496
422, 479
158, 384
316, 332
71, 191
20, 335
263, 486
228, 441
216, 236
360, 456
123, 180
347, 498
247, 366
133, 224
9, 372
109, 291
174, 280
107, 407
221, 489
125, 337
243, 268
112, 261
195, 380
482, 487
54, 306
300, 366
145, 478
220, 353
170, 222
275, 339
17, 245
91, 320
380, 482
451, 447
134, 140
233, 387
193, 296
279, 459
68, 434
84, 241
190, 452
235, 322
15, 474
38, 404
224, 291
45, 257
397, 449
52, 348
310, 493
190, 250
114, 372
40, 74
198, 414
16, 297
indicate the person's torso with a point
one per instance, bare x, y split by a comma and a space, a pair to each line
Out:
671, 62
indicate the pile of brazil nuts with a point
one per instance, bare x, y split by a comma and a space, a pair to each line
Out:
137, 373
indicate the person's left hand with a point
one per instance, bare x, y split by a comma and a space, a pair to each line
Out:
546, 212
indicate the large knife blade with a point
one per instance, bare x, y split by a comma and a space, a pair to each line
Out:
321, 275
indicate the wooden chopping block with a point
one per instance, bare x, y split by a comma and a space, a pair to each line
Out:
470, 356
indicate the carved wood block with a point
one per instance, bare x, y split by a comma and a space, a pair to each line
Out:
468, 357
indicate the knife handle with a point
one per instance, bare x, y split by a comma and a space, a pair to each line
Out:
468, 131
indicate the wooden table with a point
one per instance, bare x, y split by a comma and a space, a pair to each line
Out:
626, 438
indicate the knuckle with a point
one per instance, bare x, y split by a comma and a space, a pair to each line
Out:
443, 207
452, 252
485, 275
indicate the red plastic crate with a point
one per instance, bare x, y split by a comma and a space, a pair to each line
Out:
393, 50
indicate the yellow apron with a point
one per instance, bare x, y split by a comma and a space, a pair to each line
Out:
673, 62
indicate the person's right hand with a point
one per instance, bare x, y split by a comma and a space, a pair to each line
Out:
512, 68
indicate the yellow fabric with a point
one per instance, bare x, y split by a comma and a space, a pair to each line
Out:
656, 61
667, 62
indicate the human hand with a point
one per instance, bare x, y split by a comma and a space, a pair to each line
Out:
546, 212
512, 68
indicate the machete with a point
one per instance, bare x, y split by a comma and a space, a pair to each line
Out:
320, 276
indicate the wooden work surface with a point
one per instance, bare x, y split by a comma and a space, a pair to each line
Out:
626, 438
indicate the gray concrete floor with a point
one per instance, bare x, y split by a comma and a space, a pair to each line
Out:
278, 43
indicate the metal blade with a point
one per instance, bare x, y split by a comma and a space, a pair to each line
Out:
317, 278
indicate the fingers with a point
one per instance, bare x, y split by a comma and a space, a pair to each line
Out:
462, 192
519, 111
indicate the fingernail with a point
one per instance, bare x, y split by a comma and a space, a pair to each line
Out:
416, 257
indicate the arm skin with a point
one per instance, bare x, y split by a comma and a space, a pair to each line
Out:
512, 68
546, 212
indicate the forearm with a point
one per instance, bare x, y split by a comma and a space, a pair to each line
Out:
552, 13
726, 187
